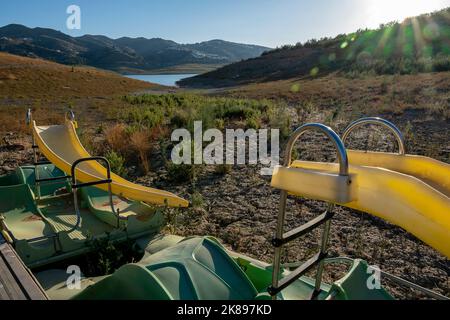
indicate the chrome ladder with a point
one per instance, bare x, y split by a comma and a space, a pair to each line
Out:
281, 238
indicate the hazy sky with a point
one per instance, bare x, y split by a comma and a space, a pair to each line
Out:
266, 22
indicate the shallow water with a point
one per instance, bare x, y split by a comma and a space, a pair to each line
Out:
163, 79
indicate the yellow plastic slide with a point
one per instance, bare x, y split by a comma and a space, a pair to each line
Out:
61, 146
409, 191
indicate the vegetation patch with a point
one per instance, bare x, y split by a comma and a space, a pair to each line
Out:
106, 256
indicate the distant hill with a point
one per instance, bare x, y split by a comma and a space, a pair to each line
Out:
27, 79
131, 55
419, 44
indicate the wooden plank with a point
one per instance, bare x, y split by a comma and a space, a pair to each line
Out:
24, 277
4, 282
9, 283
16, 280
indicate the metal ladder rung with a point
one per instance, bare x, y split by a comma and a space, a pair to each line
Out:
52, 179
297, 273
303, 229
93, 183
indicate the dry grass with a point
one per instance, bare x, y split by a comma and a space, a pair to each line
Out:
140, 141
390, 93
420, 101
22, 78
116, 137
50, 89
159, 133
12, 118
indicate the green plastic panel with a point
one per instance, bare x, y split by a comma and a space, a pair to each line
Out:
27, 176
196, 268
9, 180
354, 285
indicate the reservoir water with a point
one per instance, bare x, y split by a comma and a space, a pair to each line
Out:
163, 79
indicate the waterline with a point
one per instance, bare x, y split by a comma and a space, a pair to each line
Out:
163, 79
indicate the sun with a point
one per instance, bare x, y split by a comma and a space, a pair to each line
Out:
382, 11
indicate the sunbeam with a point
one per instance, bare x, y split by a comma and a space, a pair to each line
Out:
379, 11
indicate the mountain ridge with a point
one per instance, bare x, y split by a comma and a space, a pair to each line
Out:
124, 53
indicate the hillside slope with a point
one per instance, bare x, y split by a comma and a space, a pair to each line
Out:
50, 89
124, 54
420, 44
22, 77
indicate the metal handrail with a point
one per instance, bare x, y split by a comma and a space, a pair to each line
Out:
343, 171
412, 285
28, 117
339, 145
378, 121
70, 115
76, 186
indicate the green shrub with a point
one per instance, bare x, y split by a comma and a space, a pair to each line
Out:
197, 200
280, 119
106, 256
182, 172
117, 163
219, 123
253, 123
179, 120
182, 109
144, 116
171, 219
235, 112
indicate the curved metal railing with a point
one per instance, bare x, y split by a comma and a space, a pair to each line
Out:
76, 186
339, 145
70, 115
377, 121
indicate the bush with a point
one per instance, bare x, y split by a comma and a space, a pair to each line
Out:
280, 119
197, 200
117, 163
179, 120
182, 109
116, 136
106, 256
144, 116
253, 123
140, 141
219, 123
235, 112
182, 172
